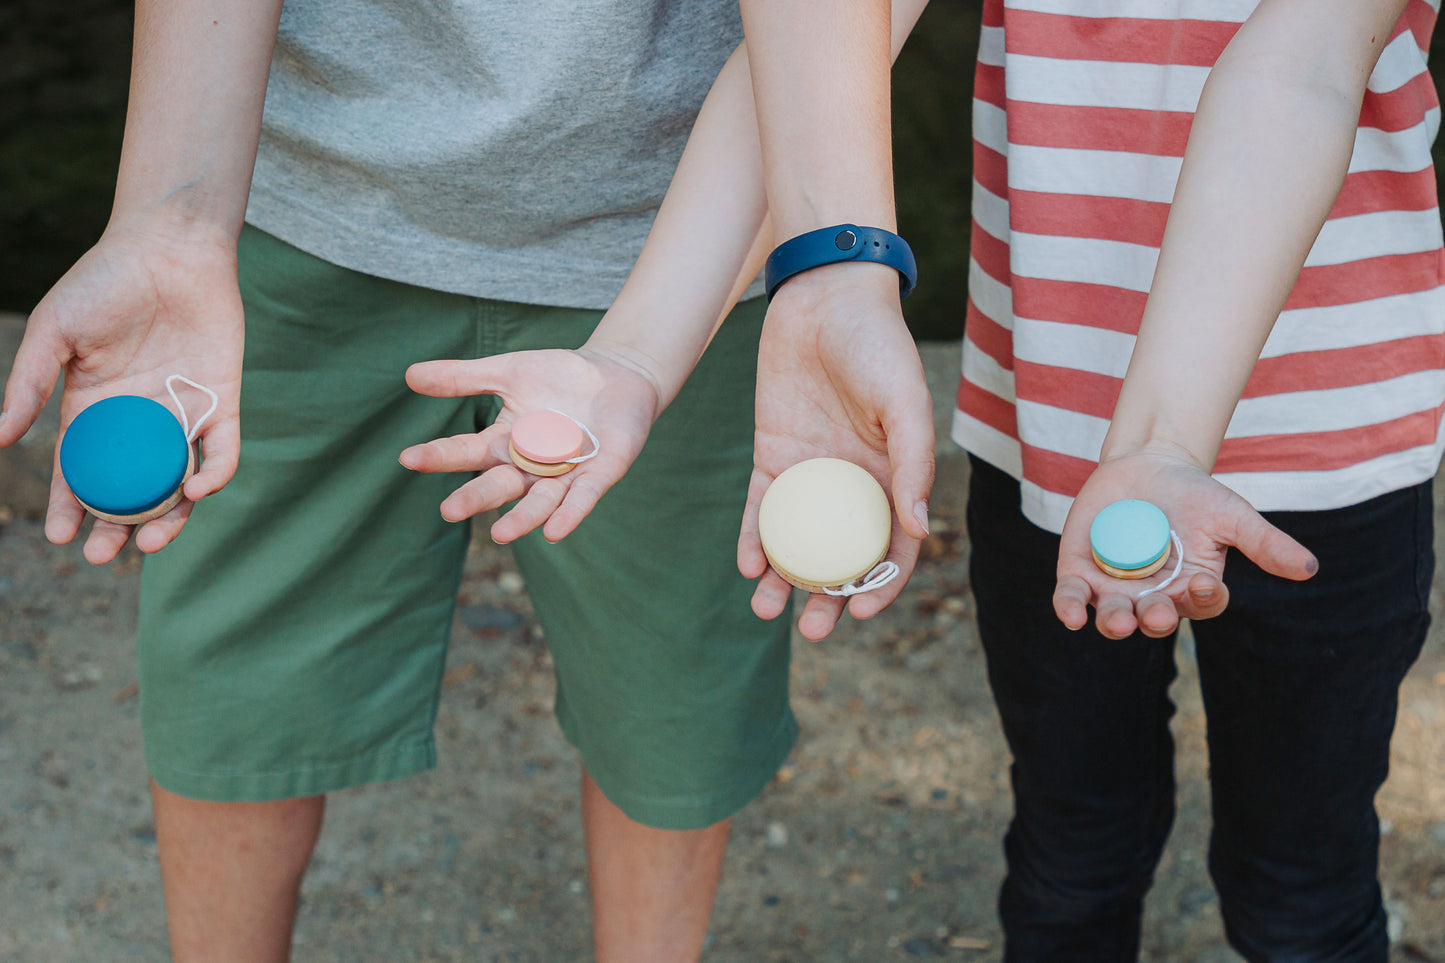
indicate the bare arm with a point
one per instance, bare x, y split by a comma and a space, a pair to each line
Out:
838, 373
1267, 155
157, 294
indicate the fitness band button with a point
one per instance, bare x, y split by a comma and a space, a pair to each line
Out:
845, 240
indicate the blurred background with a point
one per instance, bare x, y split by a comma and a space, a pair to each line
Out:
63, 72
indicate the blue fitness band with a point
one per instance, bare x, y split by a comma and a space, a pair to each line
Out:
844, 242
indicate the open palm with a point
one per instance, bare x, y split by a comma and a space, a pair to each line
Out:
1208, 517
603, 390
131, 312
839, 377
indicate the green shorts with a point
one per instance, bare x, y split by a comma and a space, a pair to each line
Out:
292, 639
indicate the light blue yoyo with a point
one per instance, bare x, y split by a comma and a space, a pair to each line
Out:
125, 459
1130, 539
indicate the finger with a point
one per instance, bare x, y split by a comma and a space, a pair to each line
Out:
63, 514
1114, 615
33, 375
752, 561
457, 379
105, 541
770, 598
472, 451
1156, 615
221, 448
1270, 548
820, 616
582, 496
157, 533
910, 452
1205, 598
493, 489
535, 508
1071, 601
904, 554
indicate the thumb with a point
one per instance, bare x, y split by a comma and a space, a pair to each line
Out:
911, 453
32, 380
457, 379
1270, 548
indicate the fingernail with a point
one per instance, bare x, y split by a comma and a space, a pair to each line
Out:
920, 512
1202, 595
1312, 566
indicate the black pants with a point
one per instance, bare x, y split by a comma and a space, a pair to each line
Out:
1299, 681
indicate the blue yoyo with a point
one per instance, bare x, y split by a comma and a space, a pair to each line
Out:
1130, 539
125, 459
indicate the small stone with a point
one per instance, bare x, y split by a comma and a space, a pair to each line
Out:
1195, 899
575, 887
510, 582
968, 943
892, 894
1436, 887
490, 618
920, 946
777, 835
506, 914
771, 900
428, 916
1395, 919
1386, 827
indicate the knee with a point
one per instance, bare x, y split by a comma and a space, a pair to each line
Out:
1284, 914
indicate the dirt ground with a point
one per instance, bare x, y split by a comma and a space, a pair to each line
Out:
879, 840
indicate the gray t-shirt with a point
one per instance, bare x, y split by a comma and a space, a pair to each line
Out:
508, 149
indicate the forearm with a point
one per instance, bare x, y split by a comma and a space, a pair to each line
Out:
711, 233
198, 83
1268, 152
820, 71
703, 248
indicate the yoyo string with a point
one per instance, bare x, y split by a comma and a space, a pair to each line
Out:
880, 575
1178, 566
596, 445
190, 430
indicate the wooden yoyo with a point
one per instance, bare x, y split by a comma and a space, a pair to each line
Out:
1130, 539
824, 524
545, 443
126, 458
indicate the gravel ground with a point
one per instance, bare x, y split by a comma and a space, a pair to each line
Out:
879, 840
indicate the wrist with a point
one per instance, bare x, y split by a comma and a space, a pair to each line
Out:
172, 223
1154, 447
836, 245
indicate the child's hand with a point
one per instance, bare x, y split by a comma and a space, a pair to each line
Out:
139, 306
1208, 518
839, 377
602, 387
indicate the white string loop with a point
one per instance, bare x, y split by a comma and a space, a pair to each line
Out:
191, 431
881, 575
1179, 565
596, 445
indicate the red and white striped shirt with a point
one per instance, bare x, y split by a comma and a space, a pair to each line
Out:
1080, 116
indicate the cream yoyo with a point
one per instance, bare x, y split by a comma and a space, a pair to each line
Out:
824, 524
1130, 539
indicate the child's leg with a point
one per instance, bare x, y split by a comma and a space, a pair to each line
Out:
1087, 720
1300, 682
